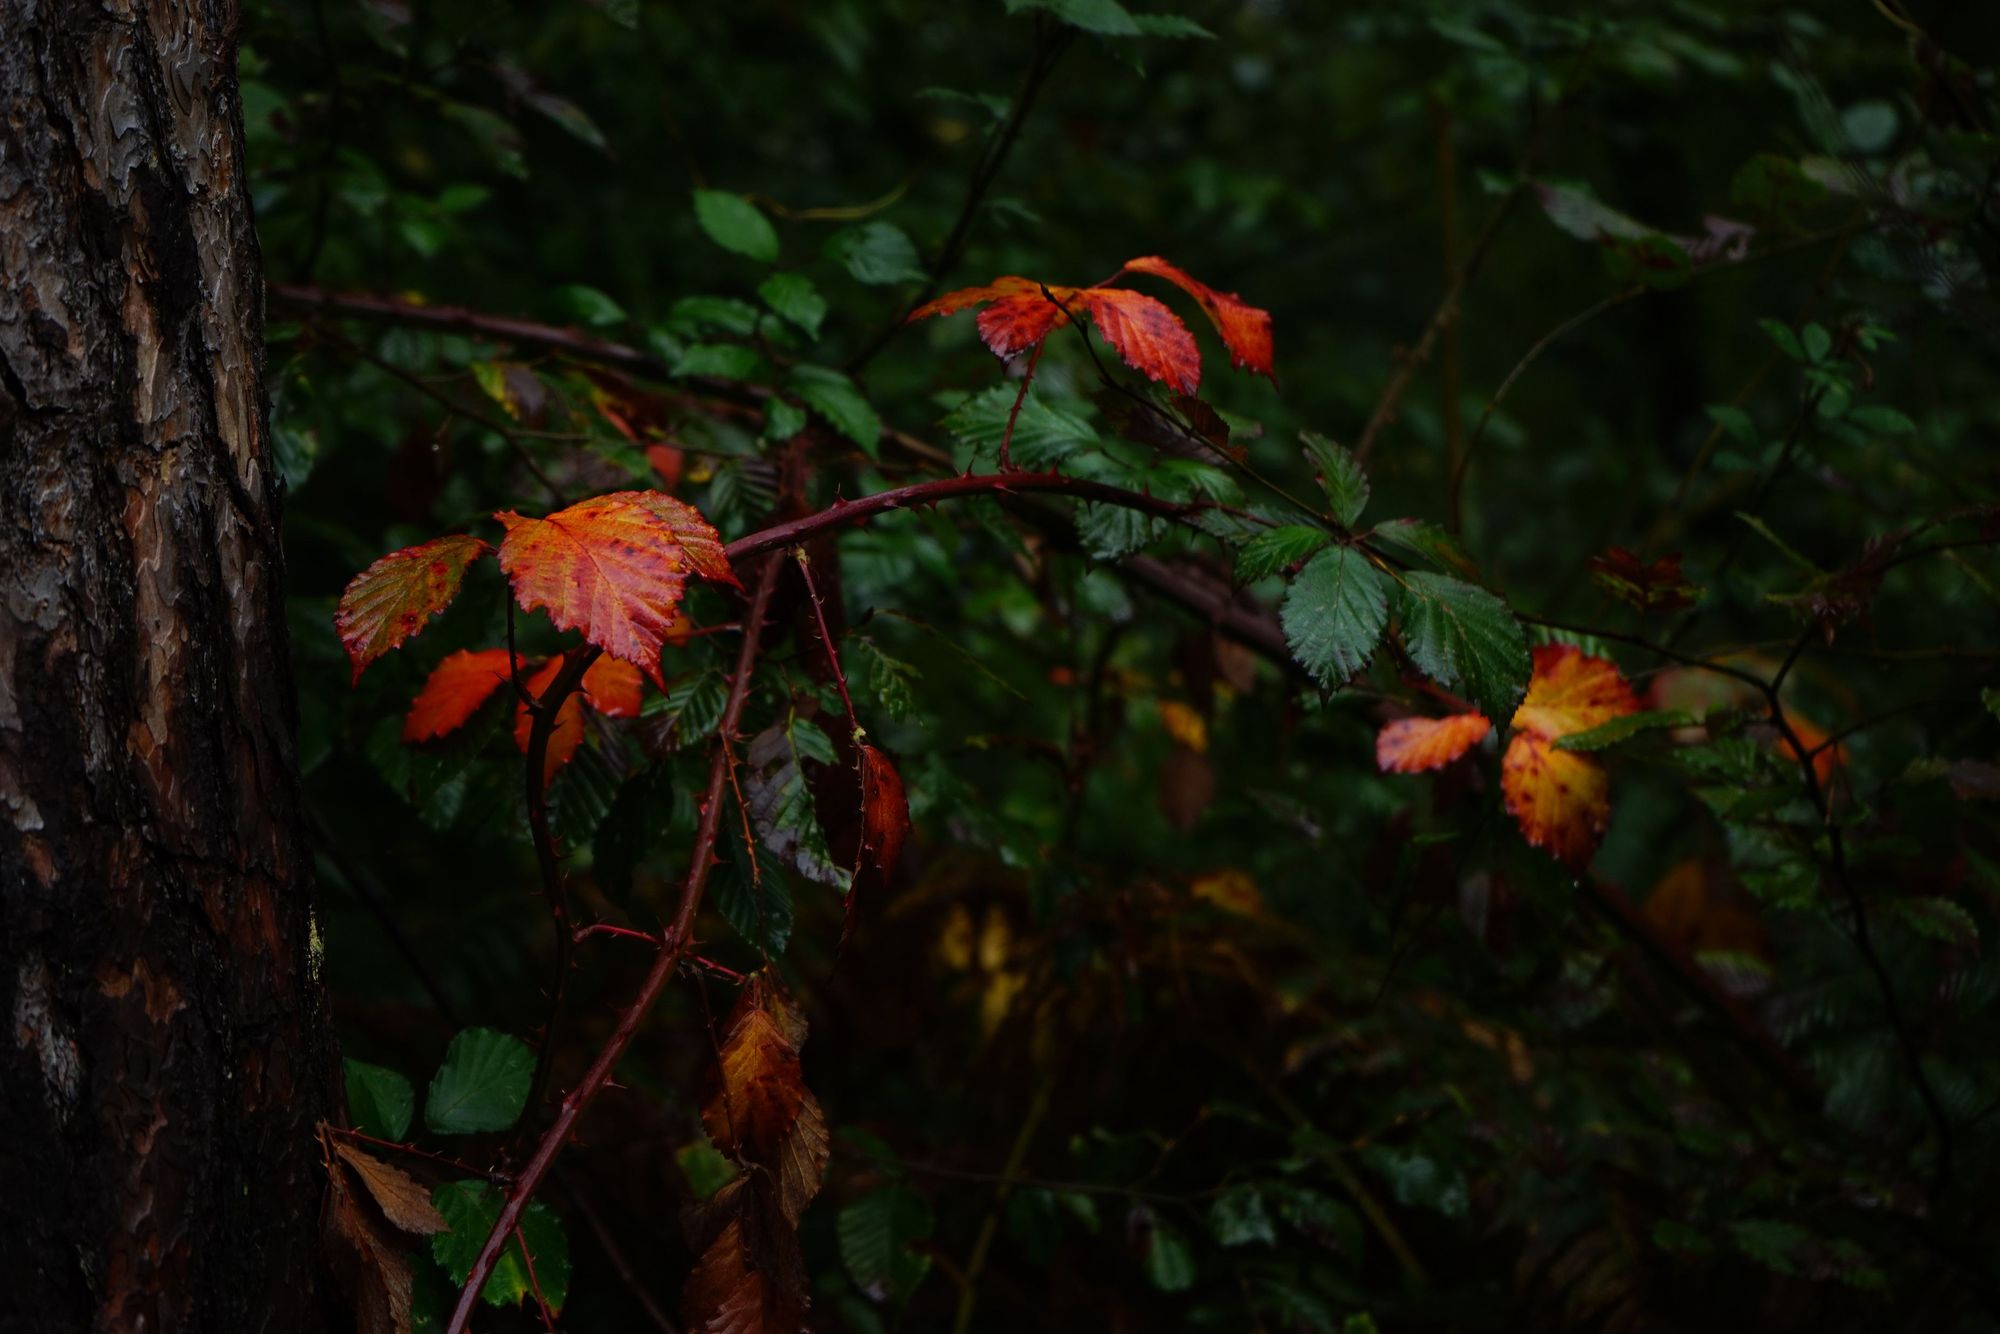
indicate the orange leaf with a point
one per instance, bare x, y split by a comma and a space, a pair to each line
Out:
613, 688
1245, 329
885, 811
1412, 745
761, 1110
1150, 337
1572, 692
750, 1278
965, 298
454, 691
567, 733
613, 567
1812, 737
387, 603
1560, 798
1014, 324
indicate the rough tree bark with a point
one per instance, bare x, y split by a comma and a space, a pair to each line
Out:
165, 1053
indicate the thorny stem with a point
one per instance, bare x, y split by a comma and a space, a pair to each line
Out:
1014, 413
545, 712
443, 1160
673, 943
854, 730
534, 1281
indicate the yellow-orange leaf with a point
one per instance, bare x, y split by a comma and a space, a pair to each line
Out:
567, 733
454, 691
613, 567
1245, 330
1412, 745
387, 603
1562, 799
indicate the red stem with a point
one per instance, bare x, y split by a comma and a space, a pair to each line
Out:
528, 1259
826, 637
842, 513
1014, 413
672, 945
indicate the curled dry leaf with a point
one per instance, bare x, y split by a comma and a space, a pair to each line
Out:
761, 1110
612, 567
750, 1278
403, 1199
885, 812
362, 1252
386, 604
1413, 745
454, 691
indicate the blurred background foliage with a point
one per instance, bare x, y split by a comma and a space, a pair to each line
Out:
1180, 1014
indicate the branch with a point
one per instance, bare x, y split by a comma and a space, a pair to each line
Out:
844, 512
673, 943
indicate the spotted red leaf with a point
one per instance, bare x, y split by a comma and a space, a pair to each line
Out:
1412, 745
1245, 329
454, 691
613, 567
567, 733
387, 603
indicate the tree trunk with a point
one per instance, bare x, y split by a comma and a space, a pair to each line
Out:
166, 1053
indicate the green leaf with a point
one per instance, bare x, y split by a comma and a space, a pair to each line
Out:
757, 902
379, 1101
1620, 729
1169, 1261
735, 224
482, 1085
1169, 25
834, 397
1465, 639
590, 305
1238, 1217
1112, 531
877, 1233
1781, 334
1044, 435
781, 801
1340, 476
1815, 341
877, 253
706, 1169
1770, 1243
1990, 697
1736, 422
472, 1208
725, 314
1106, 18
1275, 548
1427, 541
1334, 613
783, 419
723, 361
793, 296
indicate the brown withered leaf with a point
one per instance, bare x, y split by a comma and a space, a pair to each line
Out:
761, 1110
751, 1277
362, 1255
1833, 600
403, 1199
1659, 586
1187, 786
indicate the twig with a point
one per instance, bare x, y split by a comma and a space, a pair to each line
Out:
1447, 314
982, 1245
546, 710
672, 943
534, 1281
854, 730
619, 1264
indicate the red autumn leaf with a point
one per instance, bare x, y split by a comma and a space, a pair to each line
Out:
1020, 313
613, 688
1245, 330
885, 812
1659, 586
387, 603
567, 733
1412, 745
454, 691
613, 567
1150, 337
1560, 798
